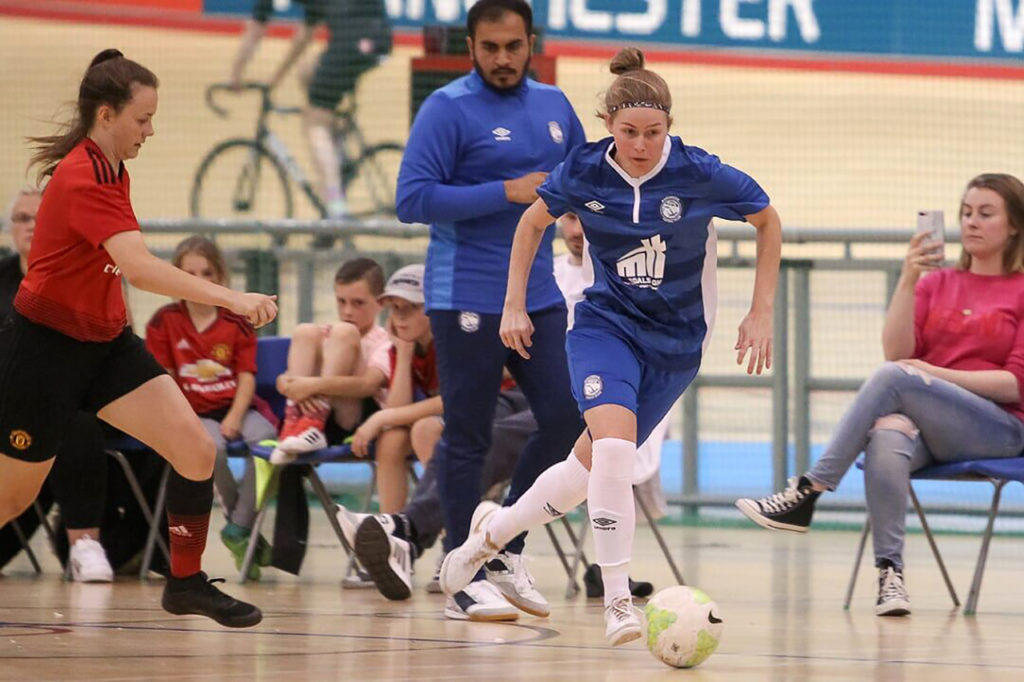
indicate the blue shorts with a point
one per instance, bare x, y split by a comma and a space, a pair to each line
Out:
605, 369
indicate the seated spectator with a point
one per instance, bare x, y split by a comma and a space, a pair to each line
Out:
413, 394
950, 390
78, 478
337, 374
211, 353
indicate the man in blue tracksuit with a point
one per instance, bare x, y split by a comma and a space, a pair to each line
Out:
478, 149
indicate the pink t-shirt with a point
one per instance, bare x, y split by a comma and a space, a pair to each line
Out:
374, 345
971, 322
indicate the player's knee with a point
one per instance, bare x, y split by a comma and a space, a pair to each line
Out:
900, 423
194, 455
424, 435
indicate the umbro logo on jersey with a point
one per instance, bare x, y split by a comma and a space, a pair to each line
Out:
502, 134
595, 206
602, 523
644, 266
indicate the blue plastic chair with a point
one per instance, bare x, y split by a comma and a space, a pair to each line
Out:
272, 360
998, 472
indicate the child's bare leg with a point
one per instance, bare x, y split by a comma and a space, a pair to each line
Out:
425, 434
343, 356
392, 449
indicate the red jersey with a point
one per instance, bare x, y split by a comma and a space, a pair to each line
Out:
971, 322
206, 364
72, 284
425, 382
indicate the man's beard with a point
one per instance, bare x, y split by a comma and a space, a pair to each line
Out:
504, 89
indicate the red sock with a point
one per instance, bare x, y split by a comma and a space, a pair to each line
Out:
188, 540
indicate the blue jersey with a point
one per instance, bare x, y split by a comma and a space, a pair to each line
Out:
646, 240
468, 139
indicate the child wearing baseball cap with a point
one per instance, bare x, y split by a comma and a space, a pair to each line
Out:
414, 392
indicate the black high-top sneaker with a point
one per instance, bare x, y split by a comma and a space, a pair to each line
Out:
790, 509
893, 599
198, 595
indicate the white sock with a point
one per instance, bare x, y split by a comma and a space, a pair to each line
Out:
560, 489
612, 514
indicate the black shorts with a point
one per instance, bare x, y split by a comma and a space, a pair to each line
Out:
46, 377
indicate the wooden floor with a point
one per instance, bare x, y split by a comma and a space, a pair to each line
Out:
780, 596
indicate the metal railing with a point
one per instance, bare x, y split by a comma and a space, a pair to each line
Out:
790, 381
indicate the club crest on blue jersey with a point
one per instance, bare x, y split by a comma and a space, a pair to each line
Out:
671, 209
556, 132
469, 322
592, 387
644, 266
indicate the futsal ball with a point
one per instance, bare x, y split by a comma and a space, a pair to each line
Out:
683, 626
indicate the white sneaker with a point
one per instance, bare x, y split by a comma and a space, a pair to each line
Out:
480, 601
893, 599
622, 622
310, 440
279, 456
509, 574
349, 522
386, 558
89, 562
462, 563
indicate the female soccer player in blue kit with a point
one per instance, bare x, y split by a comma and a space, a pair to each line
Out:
645, 200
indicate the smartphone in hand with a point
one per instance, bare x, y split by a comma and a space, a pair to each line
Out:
934, 223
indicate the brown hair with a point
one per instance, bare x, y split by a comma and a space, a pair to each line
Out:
108, 80
204, 247
1012, 191
635, 85
365, 269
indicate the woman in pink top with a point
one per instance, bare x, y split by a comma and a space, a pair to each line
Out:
951, 389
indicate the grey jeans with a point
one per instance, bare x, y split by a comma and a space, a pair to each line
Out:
942, 422
238, 499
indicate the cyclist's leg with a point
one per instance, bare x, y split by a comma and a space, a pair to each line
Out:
336, 74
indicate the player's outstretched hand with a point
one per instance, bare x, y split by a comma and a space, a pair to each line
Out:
516, 331
259, 309
755, 337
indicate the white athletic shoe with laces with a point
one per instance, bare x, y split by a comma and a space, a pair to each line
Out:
309, 440
89, 562
386, 558
434, 586
509, 574
349, 522
479, 601
622, 622
462, 563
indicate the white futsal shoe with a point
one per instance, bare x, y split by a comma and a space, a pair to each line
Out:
89, 563
462, 563
349, 522
622, 622
481, 602
509, 574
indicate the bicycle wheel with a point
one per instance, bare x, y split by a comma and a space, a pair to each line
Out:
240, 179
370, 180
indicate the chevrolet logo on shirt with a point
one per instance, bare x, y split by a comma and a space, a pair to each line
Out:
502, 134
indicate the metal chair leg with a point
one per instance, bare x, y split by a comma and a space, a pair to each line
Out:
24, 545
661, 540
154, 538
856, 562
935, 548
328, 504
560, 552
140, 498
578, 540
257, 525
979, 570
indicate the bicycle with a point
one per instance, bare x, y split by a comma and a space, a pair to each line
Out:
261, 170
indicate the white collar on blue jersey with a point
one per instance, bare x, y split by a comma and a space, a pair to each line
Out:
636, 182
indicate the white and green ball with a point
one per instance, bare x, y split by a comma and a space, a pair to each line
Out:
684, 626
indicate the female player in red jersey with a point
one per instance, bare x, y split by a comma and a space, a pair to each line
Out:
66, 347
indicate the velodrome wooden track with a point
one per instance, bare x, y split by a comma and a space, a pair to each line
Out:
780, 595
